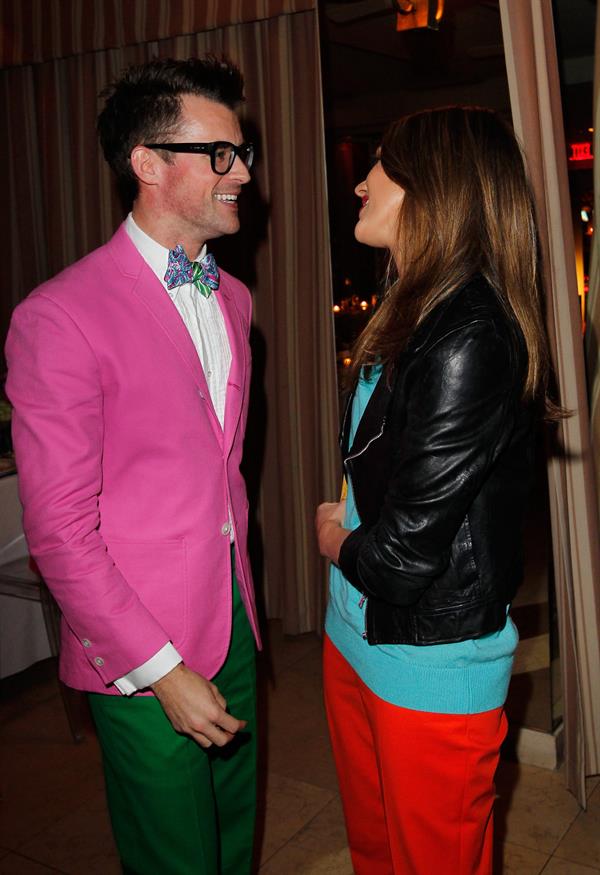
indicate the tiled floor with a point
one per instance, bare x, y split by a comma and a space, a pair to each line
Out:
54, 817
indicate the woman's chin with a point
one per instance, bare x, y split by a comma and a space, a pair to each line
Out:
362, 234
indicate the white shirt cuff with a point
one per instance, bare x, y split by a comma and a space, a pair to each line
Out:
151, 671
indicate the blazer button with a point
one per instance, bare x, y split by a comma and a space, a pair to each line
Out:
99, 661
225, 528
86, 642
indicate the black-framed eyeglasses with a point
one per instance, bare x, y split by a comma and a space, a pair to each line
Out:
222, 154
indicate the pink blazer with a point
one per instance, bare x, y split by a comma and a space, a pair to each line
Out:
125, 473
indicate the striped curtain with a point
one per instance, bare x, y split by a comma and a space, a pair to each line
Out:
532, 67
593, 297
60, 202
32, 31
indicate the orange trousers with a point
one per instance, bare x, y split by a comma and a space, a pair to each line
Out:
417, 787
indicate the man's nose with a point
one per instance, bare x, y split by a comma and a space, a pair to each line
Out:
239, 171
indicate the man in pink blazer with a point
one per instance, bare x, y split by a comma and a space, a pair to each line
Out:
129, 375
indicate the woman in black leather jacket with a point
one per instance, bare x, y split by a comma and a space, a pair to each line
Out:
448, 379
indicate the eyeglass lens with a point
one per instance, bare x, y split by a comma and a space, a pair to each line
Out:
224, 156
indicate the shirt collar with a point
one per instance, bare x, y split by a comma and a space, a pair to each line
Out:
153, 253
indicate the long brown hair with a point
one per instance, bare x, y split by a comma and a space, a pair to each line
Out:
467, 209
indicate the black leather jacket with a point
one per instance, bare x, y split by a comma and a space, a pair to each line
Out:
440, 467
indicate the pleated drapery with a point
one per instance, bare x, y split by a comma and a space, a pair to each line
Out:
593, 298
530, 51
32, 31
60, 202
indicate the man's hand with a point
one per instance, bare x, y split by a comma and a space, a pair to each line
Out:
195, 707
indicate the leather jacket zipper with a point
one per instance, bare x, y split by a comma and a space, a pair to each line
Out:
363, 599
362, 602
368, 444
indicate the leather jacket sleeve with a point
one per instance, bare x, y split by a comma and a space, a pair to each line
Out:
461, 398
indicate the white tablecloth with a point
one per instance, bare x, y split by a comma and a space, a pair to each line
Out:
23, 638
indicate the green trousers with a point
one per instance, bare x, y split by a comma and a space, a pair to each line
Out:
176, 808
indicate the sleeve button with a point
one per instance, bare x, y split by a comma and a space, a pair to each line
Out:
225, 528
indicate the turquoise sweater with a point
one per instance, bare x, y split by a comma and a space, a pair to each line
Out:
468, 677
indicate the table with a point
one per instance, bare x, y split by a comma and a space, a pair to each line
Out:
24, 637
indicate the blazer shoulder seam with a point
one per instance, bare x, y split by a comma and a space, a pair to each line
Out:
72, 320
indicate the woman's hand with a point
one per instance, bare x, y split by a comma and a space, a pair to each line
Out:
330, 532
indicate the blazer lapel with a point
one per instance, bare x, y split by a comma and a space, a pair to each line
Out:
153, 296
237, 373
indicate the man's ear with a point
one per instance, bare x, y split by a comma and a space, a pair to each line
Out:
146, 165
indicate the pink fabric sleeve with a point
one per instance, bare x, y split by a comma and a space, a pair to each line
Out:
54, 385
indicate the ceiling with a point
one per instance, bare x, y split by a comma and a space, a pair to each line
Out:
373, 73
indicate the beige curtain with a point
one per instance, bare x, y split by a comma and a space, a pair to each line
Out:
531, 60
301, 455
593, 297
32, 31
60, 203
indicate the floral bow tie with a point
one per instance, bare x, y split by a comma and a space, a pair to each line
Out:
204, 274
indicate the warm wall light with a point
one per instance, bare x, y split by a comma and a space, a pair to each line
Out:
336, 308
418, 13
364, 305
347, 362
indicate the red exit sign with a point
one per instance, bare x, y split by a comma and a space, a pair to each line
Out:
581, 152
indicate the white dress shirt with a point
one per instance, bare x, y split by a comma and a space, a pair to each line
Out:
204, 321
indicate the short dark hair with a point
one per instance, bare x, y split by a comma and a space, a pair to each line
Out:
144, 105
